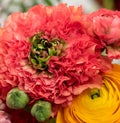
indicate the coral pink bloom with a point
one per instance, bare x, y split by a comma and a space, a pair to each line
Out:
47, 53
104, 25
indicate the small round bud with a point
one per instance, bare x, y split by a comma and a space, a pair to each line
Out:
41, 110
16, 99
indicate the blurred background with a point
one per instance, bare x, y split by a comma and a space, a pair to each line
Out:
9, 6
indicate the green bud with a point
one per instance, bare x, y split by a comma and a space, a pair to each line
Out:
41, 110
16, 99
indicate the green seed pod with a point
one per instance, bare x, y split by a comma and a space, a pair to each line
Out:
16, 99
41, 110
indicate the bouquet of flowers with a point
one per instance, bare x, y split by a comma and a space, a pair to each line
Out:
56, 66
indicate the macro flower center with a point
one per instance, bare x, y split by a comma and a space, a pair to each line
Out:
95, 93
42, 50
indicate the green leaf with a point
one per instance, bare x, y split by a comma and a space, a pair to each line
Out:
109, 4
48, 2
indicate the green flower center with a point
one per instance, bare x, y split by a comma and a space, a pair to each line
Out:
95, 93
42, 50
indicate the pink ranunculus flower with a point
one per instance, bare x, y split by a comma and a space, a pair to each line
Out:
47, 53
104, 26
4, 117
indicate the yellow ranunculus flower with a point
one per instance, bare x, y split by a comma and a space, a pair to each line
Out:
96, 105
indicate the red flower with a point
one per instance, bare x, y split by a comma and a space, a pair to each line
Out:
47, 53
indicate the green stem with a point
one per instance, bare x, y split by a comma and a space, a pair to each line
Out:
35, 2
109, 4
23, 7
48, 2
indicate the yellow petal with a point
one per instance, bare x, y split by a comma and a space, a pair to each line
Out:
60, 118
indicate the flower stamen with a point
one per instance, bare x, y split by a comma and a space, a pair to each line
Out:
95, 93
42, 50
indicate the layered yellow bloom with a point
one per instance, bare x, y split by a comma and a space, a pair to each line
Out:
96, 105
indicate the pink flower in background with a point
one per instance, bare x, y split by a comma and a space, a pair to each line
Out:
104, 26
2, 105
4, 117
